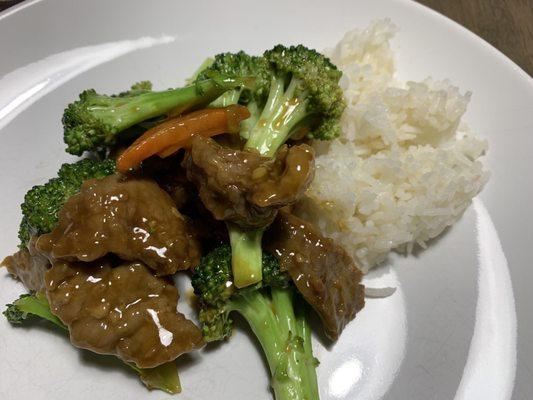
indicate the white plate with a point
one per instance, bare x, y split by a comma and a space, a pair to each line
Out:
438, 337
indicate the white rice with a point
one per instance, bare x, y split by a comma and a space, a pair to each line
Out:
404, 168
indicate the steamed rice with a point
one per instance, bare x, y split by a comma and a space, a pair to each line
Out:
404, 168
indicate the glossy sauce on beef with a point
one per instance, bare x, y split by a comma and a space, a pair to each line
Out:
169, 175
134, 219
244, 188
322, 271
284, 180
122, 310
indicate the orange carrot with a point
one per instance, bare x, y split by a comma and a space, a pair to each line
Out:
171, 150
170, 136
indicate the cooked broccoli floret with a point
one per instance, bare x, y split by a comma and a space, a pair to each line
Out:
268, 307
304, 94
43, 202
296, 90
164, 377
246, 245
28, 305
241, 64
95, 121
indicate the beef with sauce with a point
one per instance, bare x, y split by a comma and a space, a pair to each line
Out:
28, 265
321, 270
132, 218
244, 188
171, 177
121, 309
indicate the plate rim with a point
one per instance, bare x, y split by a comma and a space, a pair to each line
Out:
17, 8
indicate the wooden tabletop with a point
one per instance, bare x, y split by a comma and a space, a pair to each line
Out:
506, 24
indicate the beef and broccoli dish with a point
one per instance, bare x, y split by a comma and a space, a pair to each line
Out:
200, 180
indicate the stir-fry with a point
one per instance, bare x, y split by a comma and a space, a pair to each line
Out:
198, 180
263, 181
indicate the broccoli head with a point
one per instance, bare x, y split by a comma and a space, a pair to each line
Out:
241, 64
304, 96
94, 122
268, 307
296, 90
31, 305
317, 83
213, 284
43, 202
14, 314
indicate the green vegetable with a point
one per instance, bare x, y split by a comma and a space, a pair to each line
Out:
31, 304
95, 121
240, 64
269, 308
304, 94
246, 255
296, 90
196, 75
42, 203
164, 377
246, 245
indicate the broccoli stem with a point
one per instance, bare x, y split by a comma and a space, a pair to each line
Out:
282, 112
246, 255
227, 99
133, 110
274, 97
307, 359
248, 124
164, 377
285, 338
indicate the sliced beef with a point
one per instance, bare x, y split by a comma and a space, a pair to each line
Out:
132, 218
28, 265
122, 310
170, 176
322, 271
244, 188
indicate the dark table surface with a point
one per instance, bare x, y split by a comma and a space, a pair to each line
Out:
506, 24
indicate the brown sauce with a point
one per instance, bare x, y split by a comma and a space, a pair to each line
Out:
134, 219
322, 271
284, 181
244, 188
122, 310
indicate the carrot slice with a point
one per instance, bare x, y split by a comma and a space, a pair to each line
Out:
170, 136
171, 150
